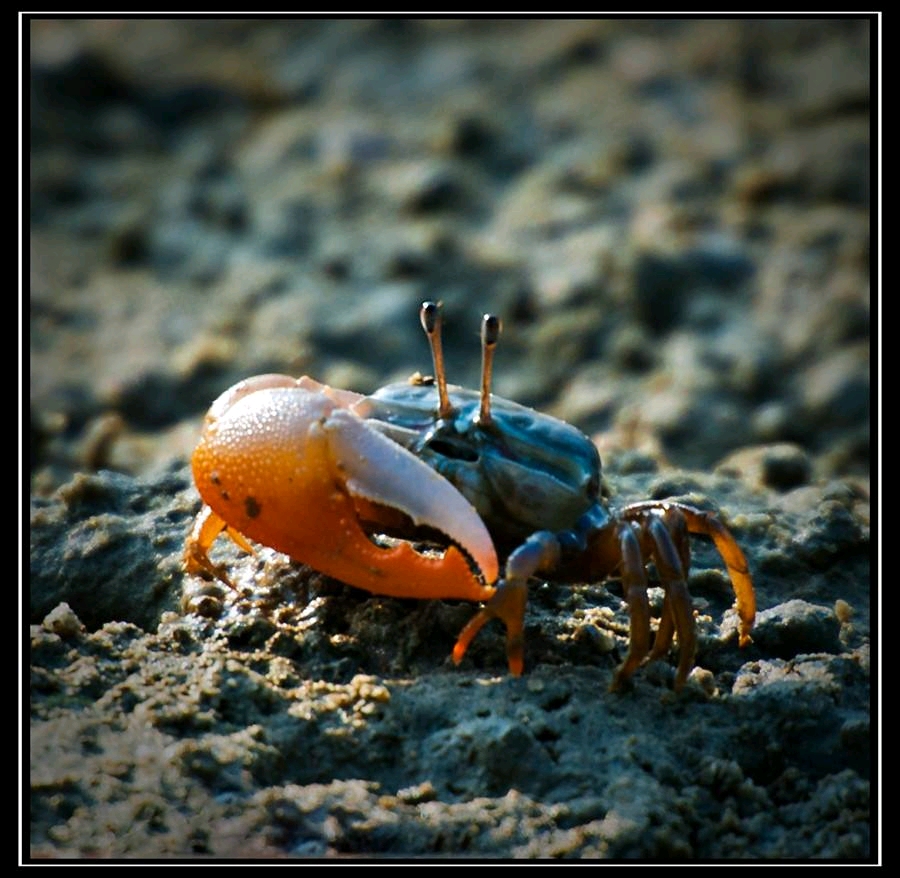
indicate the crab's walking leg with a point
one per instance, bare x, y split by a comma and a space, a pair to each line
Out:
677, 610
634, 584
708, 524
206, 528
677, 530
539, 552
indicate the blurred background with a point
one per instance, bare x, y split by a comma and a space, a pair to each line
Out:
670, 217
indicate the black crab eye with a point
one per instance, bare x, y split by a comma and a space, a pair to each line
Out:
452, 448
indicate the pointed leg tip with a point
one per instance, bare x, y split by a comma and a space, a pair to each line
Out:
197, 563
621, 681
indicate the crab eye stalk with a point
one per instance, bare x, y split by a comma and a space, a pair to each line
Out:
490, 332
430, 316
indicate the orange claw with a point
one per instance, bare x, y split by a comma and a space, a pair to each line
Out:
286, 463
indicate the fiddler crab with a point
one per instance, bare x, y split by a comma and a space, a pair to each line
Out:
422, 489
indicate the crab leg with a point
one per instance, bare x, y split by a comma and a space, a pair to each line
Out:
539, 552
677, 530
708, 524
677, 610
206, 528
735, 562
634, 582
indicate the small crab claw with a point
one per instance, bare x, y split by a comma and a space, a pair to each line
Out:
290, 465
539, 552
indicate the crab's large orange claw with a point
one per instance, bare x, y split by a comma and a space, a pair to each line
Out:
288, 464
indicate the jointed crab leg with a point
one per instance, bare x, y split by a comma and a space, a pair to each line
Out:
207, 526
677, 610
677, 533
699, 522
634, 583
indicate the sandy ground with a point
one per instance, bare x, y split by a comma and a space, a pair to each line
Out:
672, 220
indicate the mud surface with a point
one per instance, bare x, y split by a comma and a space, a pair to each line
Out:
672, 219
